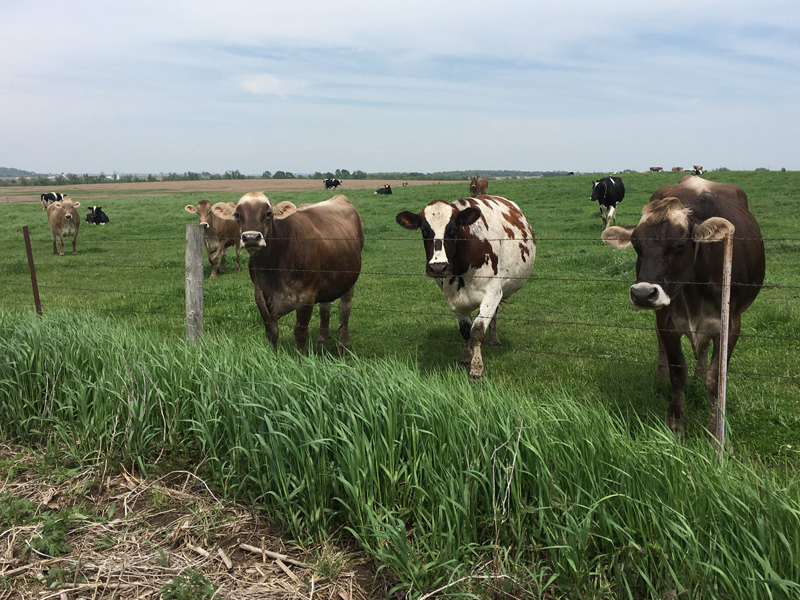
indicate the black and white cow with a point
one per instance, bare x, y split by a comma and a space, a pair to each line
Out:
479, 250
49, 197
386, 189
332, 183
96, 216
608, 192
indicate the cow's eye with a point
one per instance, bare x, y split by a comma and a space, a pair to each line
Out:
237, 216
427, 232
450, 232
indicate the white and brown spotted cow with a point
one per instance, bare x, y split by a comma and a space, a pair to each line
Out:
301, 256
679, 276
479, 250
64, 220
218, 233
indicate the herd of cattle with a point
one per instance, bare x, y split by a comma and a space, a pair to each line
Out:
480, 250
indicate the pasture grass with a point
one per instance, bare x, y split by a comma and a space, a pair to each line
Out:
571, 326
437, 480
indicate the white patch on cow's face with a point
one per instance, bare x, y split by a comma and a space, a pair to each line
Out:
438, 216
251, 204
649, 296
678, 216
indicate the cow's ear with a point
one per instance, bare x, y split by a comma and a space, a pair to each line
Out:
190, 208
223, 212
76, 204
57, 204
283, 209
712, 230
468, 216
617, 237
408, 219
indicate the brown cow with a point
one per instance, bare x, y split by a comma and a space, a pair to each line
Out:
301, 256
656, 169
478, 186
679, 275
218, 233
64, 220
677, 169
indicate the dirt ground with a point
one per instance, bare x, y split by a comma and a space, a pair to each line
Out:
160, 188
84, 534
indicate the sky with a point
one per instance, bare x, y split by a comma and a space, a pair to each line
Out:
385, 86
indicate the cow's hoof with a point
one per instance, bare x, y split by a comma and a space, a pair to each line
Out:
475, 377
496, 343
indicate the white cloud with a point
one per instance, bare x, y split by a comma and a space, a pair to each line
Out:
265, 84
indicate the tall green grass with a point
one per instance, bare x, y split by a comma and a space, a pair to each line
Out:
436, 479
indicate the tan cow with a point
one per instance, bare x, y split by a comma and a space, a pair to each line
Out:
64, 220
301, 256
478, 186
677, 169
218, 233
656, 169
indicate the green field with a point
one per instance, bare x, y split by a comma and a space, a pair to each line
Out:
570, 328
555, 475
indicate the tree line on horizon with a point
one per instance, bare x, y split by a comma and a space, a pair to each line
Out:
11, 176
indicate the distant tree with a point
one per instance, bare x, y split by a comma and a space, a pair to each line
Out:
151, 177
279, 175
723, 169
762, 169
266, 175
73, 179
342, 173
358, 175
783, 169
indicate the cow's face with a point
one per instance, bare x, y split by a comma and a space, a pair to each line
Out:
665, 241
598, 189
203, 212
67, 205
255, 215
440, 223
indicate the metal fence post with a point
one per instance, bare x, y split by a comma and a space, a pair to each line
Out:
195, 254
725, 317
32, 269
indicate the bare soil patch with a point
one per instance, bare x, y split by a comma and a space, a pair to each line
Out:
122, 536
164, 188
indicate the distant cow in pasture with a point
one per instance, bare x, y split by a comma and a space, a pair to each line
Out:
301, 256
386, 189
49, 197
405, 183
218, 233
479, 251
64, 221
698, 169
608, 192
677, 169
478, 186
679, 276
332, 183
96, 216
571, 173
656, 169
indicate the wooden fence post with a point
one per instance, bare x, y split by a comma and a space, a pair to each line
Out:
32, 269
195, 255
724, 324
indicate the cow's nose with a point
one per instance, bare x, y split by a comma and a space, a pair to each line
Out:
437, 269
205, 224
644, 294
67, 216
251, 237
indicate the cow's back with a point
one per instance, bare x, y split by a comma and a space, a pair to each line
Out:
316, 250
510, 236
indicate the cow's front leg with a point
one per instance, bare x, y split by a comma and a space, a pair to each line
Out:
75, 243
671, 340
464, 327
604, 213
270, 324
612, 215
304, 311
238, 249
486, 313
345, 306
214, 258
61, 245
492, 338
53, 237
324, 323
